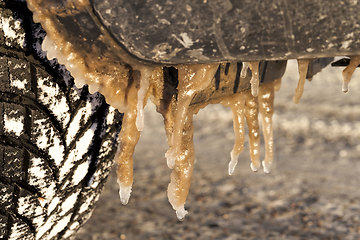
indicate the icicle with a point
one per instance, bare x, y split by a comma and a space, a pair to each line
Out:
128, 138
179, 185
251, 114
179, 119
348, 72
303, 65
169, 122
141, 94
180, 155
244, 69
266, 106
237, 105
192, 79
254, 81
245, 106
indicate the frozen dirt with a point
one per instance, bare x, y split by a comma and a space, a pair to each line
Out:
312, 192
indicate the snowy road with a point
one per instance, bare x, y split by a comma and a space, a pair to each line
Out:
312, 192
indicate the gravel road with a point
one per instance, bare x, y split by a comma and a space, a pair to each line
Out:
312, 192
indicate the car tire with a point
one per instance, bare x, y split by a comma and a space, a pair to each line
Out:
57, 141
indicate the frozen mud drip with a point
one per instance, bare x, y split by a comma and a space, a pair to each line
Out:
128, 83
303, 68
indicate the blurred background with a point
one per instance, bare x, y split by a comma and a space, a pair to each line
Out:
311, 193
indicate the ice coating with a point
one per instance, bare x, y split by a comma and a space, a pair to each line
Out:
348, 71
252, 121
192, 79
128, 138
127, 83
303, 65
119, 77
106, 70
254, 67
181, 174
266, 106
245, 106
237, 105
180, 155
178, 121
135, 99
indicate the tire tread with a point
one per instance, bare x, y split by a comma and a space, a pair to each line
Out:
44, 121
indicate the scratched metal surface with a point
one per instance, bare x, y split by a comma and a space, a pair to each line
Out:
170, 31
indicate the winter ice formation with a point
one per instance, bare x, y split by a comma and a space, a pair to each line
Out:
128, 84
